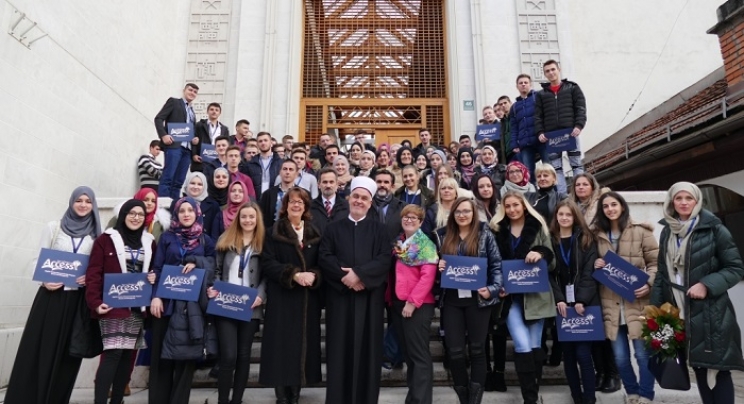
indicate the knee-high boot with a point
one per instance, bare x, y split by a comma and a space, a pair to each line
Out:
539, 357
525, 366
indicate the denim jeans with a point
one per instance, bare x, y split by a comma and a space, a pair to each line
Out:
527, 157
175, 166
526, 335
574, 158
621, 348
579, 353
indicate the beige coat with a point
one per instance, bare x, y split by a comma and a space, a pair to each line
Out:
639, 247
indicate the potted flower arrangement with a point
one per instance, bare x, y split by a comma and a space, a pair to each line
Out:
664, 335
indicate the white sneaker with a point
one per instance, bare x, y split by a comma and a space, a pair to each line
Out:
632, 399
644, 400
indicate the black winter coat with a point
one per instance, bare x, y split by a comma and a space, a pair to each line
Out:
567, 109
582, 264
340, 210
713, 334
290, 348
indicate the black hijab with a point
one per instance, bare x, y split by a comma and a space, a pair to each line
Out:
220, 195
131, 238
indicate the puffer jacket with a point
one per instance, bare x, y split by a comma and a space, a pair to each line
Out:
487, 248
567, 109
638, 246
522, 122
713, 334
536, 305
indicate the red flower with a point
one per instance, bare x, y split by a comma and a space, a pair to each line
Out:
679, 336
655, 343
652, 325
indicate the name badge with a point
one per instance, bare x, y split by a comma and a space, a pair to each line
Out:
54, 266
620, 276
464, 293
467, 273
570, 296
560, 141
573, 327
233, 301
173, 284
521, 277
181, 131
126, 290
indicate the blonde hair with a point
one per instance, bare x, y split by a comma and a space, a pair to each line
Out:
441, 219
544, 167
501, 212
232, 238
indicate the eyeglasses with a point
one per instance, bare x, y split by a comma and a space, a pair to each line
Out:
134, 215
510, 172
410, 219
296, 202
463, 212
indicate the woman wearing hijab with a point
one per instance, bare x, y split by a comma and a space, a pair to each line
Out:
403, 158
237, 197
172, 367
126, 248
698, 263
217, 188
344, 177
367, 164
428, 177
517, 179
489, 165
465, 166
44, 372
156, 220
355, 156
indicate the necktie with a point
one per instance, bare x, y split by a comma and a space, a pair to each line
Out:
328, 208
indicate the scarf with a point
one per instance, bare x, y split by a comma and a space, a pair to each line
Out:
184, 189
140, 196
467, 172
381, 203
488, 169
219, 194
188, 236
229, 213
76, 226
678, 240
131, 238
510, 186
416, 250
525, 172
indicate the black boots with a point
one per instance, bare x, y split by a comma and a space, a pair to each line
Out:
539, 356
495, 381
599, 379
287, 394
293, 393
611, 383
476, 393
525, 366
462, 394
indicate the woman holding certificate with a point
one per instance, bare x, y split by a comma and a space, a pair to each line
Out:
573, 286
238, 253
44, 372
466, 312
698, 264
523, 235
176, 343
125, 248
290, 348
635, 243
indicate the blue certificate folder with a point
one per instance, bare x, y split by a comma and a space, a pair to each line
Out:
488, 132
560, 141
181, 132
54, 266
233, 301
573, 327
620, 276
521, 277
179, 286
126, 290
464, 272
208, 153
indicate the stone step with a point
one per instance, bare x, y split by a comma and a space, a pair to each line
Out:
396, 395
395, 377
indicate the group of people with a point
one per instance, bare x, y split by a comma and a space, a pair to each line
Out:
359, 231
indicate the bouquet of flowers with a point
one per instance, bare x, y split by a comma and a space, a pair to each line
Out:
664, 335
663, 330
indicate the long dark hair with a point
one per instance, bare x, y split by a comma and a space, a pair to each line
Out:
493, 203
587, 237
602, 222
451, 240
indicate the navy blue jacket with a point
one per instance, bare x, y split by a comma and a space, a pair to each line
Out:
522, 122
254, 170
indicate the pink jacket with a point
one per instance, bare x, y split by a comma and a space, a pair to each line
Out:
414, 284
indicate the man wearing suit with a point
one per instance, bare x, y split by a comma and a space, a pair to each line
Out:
207, 130
327, 208
177, 155
271, 199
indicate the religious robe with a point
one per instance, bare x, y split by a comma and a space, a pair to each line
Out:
354, 320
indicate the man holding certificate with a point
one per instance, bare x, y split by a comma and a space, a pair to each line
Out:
471, 287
